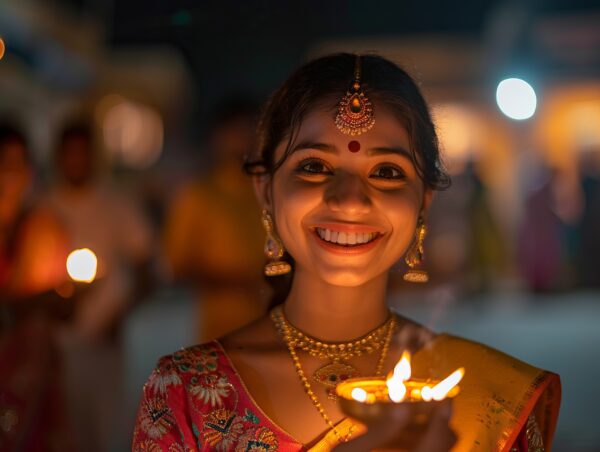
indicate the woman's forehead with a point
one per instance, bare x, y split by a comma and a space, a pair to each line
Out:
319, 126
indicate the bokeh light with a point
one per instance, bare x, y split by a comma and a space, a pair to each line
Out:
132, 132
82, 265
2, 47
516, 98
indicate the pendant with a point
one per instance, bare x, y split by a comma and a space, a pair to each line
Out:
332, 374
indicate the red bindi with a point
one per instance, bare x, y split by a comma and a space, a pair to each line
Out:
354, 146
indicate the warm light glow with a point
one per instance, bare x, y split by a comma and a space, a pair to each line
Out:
395, 384
426, 394
396, 390
439, 391
402, 369
82, 265
1, 48
359, 394
516, 98
133, 132
459, 128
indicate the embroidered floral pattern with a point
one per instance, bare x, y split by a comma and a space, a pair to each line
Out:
210, 389
197, 360
156, 418
222, 429
534, 435
161, 379
147, 446
260, 439
197, 384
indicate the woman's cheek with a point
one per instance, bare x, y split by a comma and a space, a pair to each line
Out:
295, 200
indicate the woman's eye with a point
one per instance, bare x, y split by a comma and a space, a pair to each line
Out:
388, 172
313, 167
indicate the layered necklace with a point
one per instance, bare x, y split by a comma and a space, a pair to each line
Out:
337, 353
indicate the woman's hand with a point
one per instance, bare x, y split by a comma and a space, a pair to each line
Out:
395, 432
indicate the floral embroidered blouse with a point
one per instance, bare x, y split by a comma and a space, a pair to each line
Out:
194, 400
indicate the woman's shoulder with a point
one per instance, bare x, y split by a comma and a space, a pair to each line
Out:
499, 392
200, 370
198, 358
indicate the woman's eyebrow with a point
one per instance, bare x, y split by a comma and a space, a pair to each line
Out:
393, 150
314, 145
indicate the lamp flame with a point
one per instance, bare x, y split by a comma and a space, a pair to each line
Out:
440, 390
395, 384
82, 265
359, 394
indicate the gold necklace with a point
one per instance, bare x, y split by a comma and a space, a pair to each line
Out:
339, 353
284, 328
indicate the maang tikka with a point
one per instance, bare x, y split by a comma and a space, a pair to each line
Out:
355, 111
273, 249
414, 256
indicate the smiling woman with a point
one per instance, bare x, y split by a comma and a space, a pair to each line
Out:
345, 172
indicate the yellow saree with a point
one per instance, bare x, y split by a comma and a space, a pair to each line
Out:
498, 395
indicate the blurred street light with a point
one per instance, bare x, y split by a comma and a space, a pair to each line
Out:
1, 48
516, 98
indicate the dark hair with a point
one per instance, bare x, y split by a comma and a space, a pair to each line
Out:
75, 129
321, 83
10, 132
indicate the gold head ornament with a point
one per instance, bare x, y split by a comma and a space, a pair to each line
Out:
355, 111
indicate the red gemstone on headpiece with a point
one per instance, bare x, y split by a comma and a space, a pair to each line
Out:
354, 146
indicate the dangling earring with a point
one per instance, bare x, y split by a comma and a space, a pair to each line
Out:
414, 256
273, 249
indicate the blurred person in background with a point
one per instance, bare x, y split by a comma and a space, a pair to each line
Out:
32, 264
213, 238
107, 221
589, 225
547, 233
466, 246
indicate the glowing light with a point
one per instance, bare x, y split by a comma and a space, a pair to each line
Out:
426, 394
132, 132
2, 48
395, 384
516, 98
359, 394
440, 390
82, 265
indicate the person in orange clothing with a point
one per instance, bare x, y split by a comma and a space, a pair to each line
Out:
213, 239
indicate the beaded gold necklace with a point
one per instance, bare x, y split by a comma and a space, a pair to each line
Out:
331, 374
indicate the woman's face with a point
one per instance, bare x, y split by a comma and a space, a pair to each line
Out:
346, 216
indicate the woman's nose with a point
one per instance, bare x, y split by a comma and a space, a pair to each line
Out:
348, 194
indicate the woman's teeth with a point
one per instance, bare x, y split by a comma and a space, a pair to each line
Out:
346, 238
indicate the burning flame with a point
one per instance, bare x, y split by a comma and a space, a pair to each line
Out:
395, 383
359, 394
441, 390
82, 265
402, 372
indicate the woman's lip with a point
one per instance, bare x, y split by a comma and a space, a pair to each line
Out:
342, 249
345, 227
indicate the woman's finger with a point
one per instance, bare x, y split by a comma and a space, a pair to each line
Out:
379, 433
439, 436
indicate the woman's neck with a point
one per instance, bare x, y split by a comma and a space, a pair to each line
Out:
335, 313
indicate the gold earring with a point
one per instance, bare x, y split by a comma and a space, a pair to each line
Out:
273, 249
414, 256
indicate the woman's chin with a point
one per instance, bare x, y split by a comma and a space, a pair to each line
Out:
345, 277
